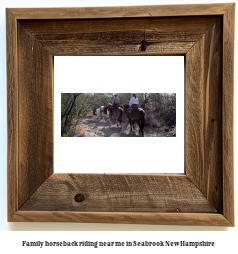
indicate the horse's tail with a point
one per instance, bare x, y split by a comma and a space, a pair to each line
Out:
120, 116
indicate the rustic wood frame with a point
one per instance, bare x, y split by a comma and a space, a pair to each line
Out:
204, 34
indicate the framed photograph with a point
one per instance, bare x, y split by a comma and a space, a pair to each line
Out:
202, 195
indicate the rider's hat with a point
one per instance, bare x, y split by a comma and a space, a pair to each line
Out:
134, 94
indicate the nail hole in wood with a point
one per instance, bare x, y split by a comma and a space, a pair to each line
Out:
143, 45
79, 198
213, 120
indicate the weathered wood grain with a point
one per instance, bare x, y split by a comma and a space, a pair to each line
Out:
78, 26
114, 193
178, 25
74, 48
204, 115
12, 114
119, 37
121, 11
35, 131
197, 219
174, 36
227, 113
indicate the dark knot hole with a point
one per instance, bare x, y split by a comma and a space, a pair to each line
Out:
79, 198
143, 45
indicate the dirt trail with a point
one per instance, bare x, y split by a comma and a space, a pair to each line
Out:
93, 127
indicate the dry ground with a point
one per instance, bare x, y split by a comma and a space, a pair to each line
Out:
93, 127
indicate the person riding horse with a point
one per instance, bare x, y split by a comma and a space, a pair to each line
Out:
115, 110
115, 104
134, 113
133, 104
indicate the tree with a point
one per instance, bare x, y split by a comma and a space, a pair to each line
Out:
67, 105
77, 105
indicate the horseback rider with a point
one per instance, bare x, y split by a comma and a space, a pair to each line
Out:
115, 103
133, 104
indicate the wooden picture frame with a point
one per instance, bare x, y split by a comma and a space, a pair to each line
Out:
204, 34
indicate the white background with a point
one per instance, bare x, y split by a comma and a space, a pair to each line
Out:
11, 241
121, 74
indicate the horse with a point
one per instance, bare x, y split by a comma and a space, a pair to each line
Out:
98, 113
138, 115
132, 122
117, 112
104, 111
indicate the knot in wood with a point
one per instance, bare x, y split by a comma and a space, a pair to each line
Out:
79, 198
143, 45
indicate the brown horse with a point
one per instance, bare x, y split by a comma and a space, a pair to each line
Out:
117, 112
138, 115
103, 110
